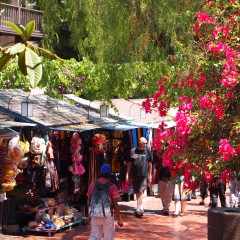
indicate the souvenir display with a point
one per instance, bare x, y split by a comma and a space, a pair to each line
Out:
57, 170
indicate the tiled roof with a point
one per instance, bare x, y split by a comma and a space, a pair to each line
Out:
46, 111
128, 110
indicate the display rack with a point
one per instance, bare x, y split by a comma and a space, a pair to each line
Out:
51, 231
51, 210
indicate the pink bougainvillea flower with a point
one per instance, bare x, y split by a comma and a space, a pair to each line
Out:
230, 80
201, 80
147, 105
203, 17
238, 150
229, 95
216, 47
226, 150
208, 177
225, 175
197, 27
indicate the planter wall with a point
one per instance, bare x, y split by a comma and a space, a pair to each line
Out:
224, 224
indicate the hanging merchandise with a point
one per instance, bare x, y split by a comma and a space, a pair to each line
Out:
39, 152
24, 144
23, 163
15, 153
37, 161
117, 134
51, 176
100, 143
134, 138
77, 168
115, 165
56, 150
50, 150
3, 197
38, 145
10, 154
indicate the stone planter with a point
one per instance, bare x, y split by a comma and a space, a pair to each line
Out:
224, 224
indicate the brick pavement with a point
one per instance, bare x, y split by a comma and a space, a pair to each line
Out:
192, 226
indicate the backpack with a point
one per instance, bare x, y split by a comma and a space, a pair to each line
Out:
100, 204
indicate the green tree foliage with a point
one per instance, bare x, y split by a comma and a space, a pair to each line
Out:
29, 62
112, 31
103, 81
123, 47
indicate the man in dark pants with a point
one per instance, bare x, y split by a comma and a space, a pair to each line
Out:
140, 167
217, 188
203, 191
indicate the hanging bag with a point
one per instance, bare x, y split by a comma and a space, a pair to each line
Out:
37, 161
37, 145
24, 144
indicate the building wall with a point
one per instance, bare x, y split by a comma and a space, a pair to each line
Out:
6, 40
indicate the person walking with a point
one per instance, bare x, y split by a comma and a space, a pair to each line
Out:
165, 188
102, 200
203, 191
180, 196
217, 188
234, 191
140, 168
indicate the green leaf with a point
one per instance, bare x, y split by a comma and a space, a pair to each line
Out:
29, 28
21, 63
34, 66
17, 48
4, 59
16, 29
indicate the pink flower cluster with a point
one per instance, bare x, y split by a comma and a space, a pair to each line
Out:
222, 54
204, 18
226, 150
213, 102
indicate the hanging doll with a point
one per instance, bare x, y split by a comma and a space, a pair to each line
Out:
77, 168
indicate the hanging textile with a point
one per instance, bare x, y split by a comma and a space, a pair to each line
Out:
150, 137
139, 133
134, 138
56, 150
130, 139
92, 165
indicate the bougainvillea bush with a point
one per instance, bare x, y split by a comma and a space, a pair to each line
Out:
206, 139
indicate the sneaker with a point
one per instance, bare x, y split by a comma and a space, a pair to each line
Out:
181, 214
166, 213
138, 213
194, 196
201, 203
175, 214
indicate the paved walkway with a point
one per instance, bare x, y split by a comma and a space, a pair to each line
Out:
192, 226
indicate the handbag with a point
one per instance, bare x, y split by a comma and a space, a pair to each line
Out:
23, 163
38, 161
24, 145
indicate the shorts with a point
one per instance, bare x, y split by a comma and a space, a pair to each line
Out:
139, 184
180, 194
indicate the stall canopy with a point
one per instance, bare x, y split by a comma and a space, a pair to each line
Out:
7, 133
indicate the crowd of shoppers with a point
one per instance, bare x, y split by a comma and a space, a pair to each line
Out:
140, 174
